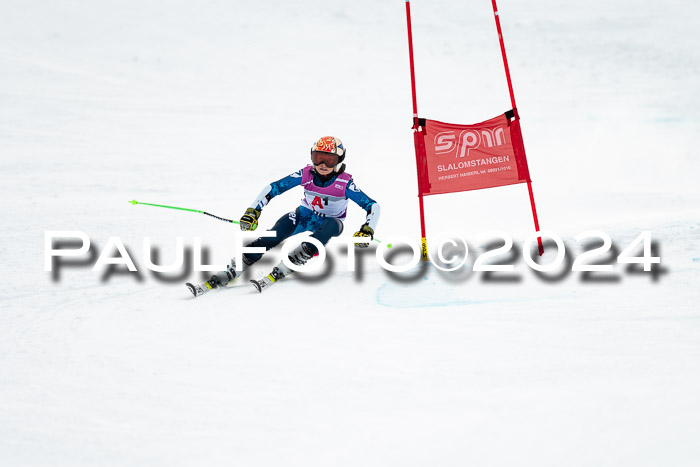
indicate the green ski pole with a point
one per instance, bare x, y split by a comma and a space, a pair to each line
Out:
134, 202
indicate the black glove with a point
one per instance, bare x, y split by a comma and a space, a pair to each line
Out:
365, 231
249, 220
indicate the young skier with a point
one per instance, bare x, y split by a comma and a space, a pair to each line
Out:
327, 189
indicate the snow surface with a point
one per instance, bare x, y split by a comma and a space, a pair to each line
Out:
200, 104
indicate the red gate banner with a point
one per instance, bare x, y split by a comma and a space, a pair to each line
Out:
456, 158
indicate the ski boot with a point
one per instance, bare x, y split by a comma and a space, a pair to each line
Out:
299, 256
220, 279
271, 278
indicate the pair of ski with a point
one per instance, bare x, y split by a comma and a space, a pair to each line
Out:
260, 284
299, 256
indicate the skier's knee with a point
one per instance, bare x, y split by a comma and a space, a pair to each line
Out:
333, 226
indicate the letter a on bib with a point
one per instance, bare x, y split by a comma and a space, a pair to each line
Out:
317, 202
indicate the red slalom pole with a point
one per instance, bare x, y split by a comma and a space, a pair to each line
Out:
410, 58
424, 245
503, 52
512, 101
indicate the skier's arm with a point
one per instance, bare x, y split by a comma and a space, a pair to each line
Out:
249, 220
276, 188
368, 204
373, 215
